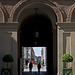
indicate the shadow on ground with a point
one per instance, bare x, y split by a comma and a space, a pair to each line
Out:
36, 73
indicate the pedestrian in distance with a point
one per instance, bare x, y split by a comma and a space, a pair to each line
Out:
30, 66
26, 63
39, 67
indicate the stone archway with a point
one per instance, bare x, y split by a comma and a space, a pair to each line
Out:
50, 32
42, 25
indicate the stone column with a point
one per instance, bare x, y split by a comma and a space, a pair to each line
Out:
54, 52
14, 51
58, 52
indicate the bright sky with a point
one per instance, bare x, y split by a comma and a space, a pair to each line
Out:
37, 50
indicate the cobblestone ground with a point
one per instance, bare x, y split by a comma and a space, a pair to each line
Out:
43, 68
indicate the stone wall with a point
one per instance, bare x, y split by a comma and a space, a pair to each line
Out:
10, 9
8, 44
66, 43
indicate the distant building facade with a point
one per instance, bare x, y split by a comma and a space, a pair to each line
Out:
38, 59
29, 54
42, 56
35, 60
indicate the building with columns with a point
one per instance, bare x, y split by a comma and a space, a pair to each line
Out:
42, 56
29, 55
53, 20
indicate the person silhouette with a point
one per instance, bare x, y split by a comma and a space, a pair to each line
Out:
39, 67
30, 66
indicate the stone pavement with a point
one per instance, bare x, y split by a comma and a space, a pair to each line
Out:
35, 68
36, 73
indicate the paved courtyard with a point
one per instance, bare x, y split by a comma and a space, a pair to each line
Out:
36, 73
43, 68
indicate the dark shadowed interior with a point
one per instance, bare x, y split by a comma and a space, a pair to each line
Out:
36, 31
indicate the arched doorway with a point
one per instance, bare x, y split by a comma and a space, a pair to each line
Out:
42, 25
39, 22
36, 24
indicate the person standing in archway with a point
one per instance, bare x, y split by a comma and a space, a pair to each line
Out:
39, 67
30, 66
